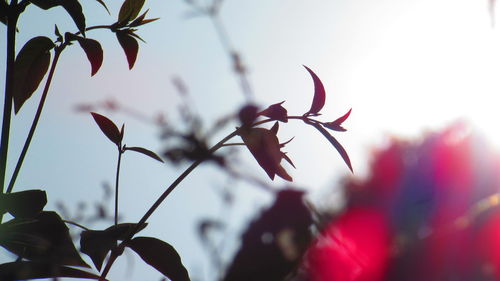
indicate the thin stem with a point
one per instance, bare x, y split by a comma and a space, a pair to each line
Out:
233, 144
34, 124
76, 224
9, 77
158, 202
120, 152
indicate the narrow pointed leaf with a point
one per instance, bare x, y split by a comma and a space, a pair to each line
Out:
129, 10
335, 144
108, 128
319, 93
160, 255
337, 124
129, 45
73, 8
145, 152
24, 270
44, 238
104, 5
23, 204
94, 53
31, 64
146, 21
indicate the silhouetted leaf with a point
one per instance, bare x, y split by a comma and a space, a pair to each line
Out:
129, 46
58, 34
97, 243
319, 93
276, 112
94, 53
141, 21
335, 144
3, 11
44, 238
337, 124
265, 148
108, 128
104, 5
31, 64
129, 10
73, 8
23, 204
23, 270
145, 152
160, 255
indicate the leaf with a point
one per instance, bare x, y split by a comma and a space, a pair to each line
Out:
108, 128
145, 152
94, 52
104, 5
265, 148
44, 238
73, 8
23, 204
335, 144
276, 112
129, 10
141, 21
31, 64
97, 243
92, 49
337, 124
129, 46
23, 270
160, 255
3, 11
319, 94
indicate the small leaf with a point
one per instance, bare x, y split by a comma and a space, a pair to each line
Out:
265, 148
23, 270
129, 10
335, 144
319, 94
94, 53
104, 5
337, 124
276, 112
108, 128
129, 46
44, 238
160, 255
23, 204
145, 152
31, 64
73, 8
97, 243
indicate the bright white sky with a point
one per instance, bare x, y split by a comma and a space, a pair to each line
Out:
404, 66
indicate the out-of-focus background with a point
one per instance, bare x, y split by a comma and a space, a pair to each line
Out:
404, 67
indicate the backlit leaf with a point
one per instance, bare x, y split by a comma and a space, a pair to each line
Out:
23, 204
97, 243
276, 112
335, 144
108, 128
73, 8
129, 45
145, 152
129, 10
44, 238
265, 148
160, 255
31, 64
23, 270
337, 124
94, 52
319, 93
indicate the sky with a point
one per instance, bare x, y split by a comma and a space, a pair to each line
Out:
404, 67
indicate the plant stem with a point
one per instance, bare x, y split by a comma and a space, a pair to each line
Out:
57, 53
9, 77
120, 152
76, 224
157, 203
